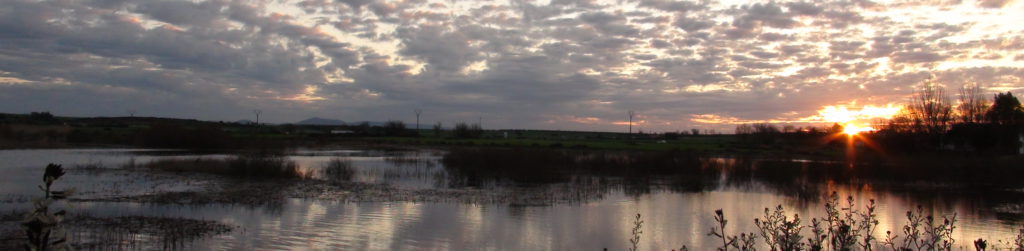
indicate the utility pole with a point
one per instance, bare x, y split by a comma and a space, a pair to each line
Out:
418, 112
257, 112
631, 114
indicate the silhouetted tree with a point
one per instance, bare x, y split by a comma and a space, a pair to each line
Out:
42, 118
930, 110
463, 130
438, 129
972, 105
363, 128
394, 128
1005, 110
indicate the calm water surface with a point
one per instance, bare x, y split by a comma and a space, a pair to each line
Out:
671, 218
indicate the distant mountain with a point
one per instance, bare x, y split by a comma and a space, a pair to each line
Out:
321, 121
245, 122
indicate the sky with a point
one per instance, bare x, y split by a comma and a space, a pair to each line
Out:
558, 64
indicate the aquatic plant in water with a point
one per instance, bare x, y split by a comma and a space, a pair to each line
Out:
43, 228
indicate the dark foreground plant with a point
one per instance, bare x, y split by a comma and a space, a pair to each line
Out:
637, 226
743, 242
778, 231
847, 228
42, 228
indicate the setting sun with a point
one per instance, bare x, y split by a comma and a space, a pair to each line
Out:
852, 129
843, 114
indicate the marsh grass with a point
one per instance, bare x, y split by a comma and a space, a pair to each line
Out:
339, 170
242, 166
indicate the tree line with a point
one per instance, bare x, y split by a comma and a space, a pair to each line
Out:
930, 121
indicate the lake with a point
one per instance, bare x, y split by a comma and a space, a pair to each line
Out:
588, 213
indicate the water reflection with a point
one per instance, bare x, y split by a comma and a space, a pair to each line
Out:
577, 210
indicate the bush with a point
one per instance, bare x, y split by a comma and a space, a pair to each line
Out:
466, 131
339, 170
395, 128
244, 166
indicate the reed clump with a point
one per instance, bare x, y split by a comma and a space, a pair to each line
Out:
339, 170
242, 166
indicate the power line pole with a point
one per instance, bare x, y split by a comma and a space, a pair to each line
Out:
418, 112
257, 112
631, 114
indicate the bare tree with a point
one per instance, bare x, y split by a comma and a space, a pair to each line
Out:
930, 108
972, 105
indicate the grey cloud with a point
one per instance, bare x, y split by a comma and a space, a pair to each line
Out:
764, 54
771, 36
993, 3
182, 13
761, 65
917, 57
804, 8
445, 51
674, 6
692, 25
609, 23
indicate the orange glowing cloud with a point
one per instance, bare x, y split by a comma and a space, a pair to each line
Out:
843, 114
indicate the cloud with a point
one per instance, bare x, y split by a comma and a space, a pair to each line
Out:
993, 3
564, 65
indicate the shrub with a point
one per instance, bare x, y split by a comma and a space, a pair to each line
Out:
243, 166
339, 170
